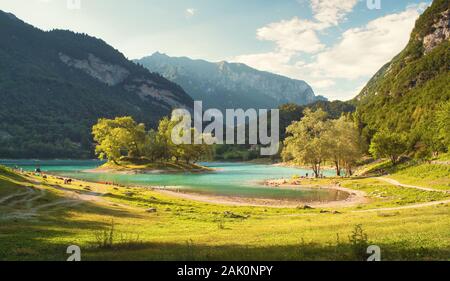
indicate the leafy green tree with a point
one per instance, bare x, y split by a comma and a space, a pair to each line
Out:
443, 123
168, 149
123, 137
153, 149
388, 144
306, 143
118, 137
344, 144
291, 112
425, 141
195, 152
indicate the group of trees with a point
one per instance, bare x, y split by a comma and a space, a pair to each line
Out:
443, 125
123, 137
293, 112
316, 139
426, 141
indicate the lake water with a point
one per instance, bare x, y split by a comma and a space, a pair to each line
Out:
229, 179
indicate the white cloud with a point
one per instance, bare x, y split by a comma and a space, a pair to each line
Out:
190, 12
342, 69
299, 35
332, 11
278, 62
323, 84
362, 51
293, 35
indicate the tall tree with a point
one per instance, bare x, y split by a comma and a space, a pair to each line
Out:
344, 144
306, 143
118, 137
388, 144
443, 122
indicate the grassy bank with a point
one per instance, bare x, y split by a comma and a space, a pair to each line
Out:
40, 218
143, 166
433, 174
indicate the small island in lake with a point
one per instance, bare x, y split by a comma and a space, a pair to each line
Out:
129, 148
144, 166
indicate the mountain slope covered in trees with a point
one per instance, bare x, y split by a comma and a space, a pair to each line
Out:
55, 85
230, 85
406, 93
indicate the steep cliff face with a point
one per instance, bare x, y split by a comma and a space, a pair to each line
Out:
230, 85
55, 85
440, 34
109, 74
405, 93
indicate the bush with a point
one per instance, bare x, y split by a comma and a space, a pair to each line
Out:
359, 242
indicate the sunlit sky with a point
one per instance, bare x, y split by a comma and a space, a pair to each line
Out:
334, 45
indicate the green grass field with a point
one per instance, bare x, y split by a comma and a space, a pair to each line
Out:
426, 174
40, 218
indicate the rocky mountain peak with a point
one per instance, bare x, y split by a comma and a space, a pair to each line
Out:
230, 85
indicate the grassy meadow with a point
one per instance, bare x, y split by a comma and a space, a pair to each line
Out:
41, 217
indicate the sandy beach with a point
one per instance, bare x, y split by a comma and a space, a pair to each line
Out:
355, 198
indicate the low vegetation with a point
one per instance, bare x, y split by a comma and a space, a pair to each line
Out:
116, 225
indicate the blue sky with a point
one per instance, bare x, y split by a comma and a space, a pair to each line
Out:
335, 45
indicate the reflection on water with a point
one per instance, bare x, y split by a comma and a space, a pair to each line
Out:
230, 179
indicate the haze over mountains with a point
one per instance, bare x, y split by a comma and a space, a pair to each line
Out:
230, 85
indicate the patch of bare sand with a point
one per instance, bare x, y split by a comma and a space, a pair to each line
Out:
355, 198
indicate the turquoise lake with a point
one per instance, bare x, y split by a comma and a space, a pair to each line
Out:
229, 179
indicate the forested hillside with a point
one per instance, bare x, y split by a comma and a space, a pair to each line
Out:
404, 95
55, 85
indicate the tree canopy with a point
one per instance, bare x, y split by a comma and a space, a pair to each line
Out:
123, 137
388, 144
315, 139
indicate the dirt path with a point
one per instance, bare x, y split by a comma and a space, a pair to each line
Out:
30, 206
415, 206
73, 197
17, 194
397, 183
420, 205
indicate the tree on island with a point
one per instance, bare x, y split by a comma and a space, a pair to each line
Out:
122, 137
119, 137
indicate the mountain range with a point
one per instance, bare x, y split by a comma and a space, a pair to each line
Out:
225, 85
